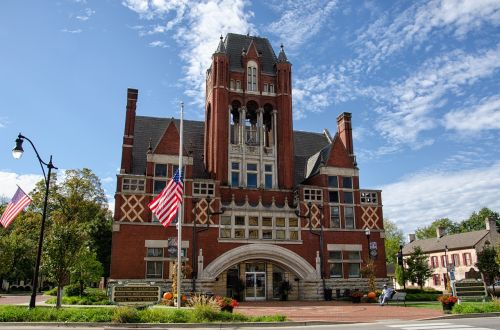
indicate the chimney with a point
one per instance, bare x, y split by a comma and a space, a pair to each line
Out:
345, 131
440, 232
128, 135
491, 224
412, 237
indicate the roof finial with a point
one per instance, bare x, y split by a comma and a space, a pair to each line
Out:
150, 148
221, 37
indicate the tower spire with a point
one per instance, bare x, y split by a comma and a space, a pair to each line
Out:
221, 48
282, 56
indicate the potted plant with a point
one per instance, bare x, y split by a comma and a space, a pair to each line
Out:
447, 302
356, 296
284, 289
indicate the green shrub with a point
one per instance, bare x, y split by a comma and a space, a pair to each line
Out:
72, 290
468, 308
50, 314
425, 290
422, 296
51, 292
125, 315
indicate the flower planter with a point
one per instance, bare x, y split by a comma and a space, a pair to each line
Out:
356, 300
227, 309
447, 308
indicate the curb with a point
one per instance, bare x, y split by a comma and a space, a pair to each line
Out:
175, 325
465, 316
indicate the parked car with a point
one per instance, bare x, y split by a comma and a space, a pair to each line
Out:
495, 286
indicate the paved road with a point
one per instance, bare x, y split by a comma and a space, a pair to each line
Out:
487, 323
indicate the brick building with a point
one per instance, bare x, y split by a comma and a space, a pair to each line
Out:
263, 203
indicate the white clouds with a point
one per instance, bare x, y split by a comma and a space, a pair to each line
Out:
416, 24
3, 122
417, 201
198, 35
311, 15
10, 181
74, 31
408, 103
157, 43
484, 116
86, 15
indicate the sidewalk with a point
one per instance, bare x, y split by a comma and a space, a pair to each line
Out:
304, 311
334, 311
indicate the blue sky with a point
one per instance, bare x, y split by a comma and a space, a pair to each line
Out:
421, 79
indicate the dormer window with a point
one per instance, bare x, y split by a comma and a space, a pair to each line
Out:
252, 76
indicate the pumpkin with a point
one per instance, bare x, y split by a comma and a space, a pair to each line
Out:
167, 295
372, 295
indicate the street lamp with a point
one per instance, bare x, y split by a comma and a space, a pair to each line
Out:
401, 263
17, 152
368, 233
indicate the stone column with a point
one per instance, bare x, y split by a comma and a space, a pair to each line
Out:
275, 148
318, 264
200, 263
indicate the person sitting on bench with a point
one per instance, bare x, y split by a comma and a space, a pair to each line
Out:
387, 293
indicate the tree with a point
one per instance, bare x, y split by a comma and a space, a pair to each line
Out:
399, 275
487, 264
86, 269
477, 220
61, 248
418, 268
394, 237
368, 272
429, 231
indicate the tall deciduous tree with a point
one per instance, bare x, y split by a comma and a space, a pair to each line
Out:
394, 237
429, 231
87, 269
418, 268
477, 220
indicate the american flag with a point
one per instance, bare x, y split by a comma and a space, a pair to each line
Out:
15, 206
166, 204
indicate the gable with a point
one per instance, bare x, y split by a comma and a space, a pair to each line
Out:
169, 142
339, 157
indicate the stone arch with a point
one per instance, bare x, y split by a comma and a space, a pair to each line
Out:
260, 251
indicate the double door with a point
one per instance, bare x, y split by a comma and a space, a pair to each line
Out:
255, 286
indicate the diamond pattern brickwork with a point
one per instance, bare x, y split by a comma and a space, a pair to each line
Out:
132, 208
370, 217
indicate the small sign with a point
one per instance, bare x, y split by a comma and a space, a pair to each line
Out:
135, 294
470, 290
373, 245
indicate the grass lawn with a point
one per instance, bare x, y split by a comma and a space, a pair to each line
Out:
425, 304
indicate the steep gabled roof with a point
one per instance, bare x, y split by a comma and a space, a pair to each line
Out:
236, 43
453, 242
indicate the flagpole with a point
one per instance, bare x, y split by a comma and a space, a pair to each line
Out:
180, 215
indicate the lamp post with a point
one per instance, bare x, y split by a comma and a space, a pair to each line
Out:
17, 152
368, 233
446, 265
401, 263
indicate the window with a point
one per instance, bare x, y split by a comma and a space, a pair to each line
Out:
436, 279
280, 234
253, 221
231, 84
434, 262
467, 259
253, 234
369, 197
347, 182
267, 234
161, 170
267, 222
334, 217
333, 196
154, 269
268, 176
313, 195
348, 197
335, 261
271, 88
280, 222
225, 220
252, 175
266, 88
443, 261
239, 220
354, 259
154, 252
293, 222
456, 259
252, 76
238, 85
349, 217
239, 233
158, 186
129, 184
225, 232
203, 188
333, 182
235, 174
294, 234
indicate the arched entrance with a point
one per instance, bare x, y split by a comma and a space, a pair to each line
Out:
260, 269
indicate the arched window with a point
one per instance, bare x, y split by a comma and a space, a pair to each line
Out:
252, 76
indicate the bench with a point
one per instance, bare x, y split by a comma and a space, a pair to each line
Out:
398, 296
